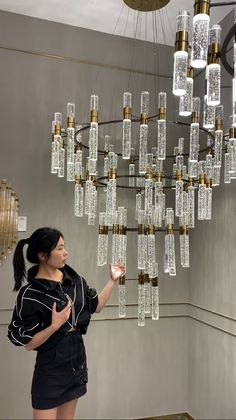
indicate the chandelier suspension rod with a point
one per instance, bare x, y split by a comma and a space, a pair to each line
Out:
223, 3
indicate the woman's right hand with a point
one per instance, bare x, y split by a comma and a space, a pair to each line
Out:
59, 318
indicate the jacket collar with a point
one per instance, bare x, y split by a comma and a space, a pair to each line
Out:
69, 275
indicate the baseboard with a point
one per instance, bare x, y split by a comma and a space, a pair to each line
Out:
176, 416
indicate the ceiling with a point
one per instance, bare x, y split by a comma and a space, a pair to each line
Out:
112, 16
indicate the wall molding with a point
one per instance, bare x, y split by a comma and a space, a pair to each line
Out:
86, 62
168, 310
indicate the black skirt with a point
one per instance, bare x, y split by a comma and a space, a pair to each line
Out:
60, 374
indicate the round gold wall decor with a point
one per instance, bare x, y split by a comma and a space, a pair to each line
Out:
146, 5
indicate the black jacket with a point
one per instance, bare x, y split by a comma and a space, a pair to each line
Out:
33, 309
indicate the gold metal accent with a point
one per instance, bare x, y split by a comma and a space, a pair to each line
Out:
195, 118
127, 113
202, 6
112, 173
209, 183
115, 229
141, 229
169, 228
218, 124
103, 230
181, 41
232, 133
9, 208
94, 116
78, 179
71, 122
146, 5
122, 280
143, 118
57, 130
201, 179
148, 174
150, 229
178, 175
161, 113
190, 71
141, 278
183, 229
147, 278
158, 176
155, 282
213, 53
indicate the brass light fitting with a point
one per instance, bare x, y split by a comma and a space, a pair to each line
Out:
146, 5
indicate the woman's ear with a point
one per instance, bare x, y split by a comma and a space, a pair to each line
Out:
42, 257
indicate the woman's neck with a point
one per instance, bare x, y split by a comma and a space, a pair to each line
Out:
49, 273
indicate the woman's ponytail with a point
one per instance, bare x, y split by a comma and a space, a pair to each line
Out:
19, 264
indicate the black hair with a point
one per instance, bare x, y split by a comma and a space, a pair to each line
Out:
42, 240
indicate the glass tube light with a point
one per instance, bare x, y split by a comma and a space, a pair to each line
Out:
102, 240
216, 176
200, 34
218, 136
170, 241
151, 247
122, 244
78, 197
161, 126
227, 179
185, 101
155, 299
78, 160
191, 204
194, 131
115, 240
142, 240
181, 54
178, 195
132, 168
147, 291
126, 141
122, 297
141, 300
202, 198
53, 169
61, 169
208, 201
57, 139
184, 245
92, 205
213, 71
111, 200
208, 115
70, 133
138, 204
143, 133
148, 193
181, 145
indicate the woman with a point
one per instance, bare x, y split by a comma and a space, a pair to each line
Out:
51, 314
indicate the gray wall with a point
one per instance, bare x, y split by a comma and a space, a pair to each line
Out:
184, 361
212, 291
131, 369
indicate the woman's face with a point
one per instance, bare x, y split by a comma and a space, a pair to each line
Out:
58, 256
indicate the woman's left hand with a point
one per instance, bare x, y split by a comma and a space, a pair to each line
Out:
116, 271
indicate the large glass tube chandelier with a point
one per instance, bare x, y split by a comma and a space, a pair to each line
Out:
192, 179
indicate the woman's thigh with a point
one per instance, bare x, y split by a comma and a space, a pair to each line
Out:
66, 411
50, 414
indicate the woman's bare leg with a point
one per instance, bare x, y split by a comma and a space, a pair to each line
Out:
66, 411
50, 414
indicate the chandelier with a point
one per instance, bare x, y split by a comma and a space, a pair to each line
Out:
9, 208
192, 180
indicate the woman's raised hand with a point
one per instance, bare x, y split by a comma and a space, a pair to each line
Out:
59, 318
116, 271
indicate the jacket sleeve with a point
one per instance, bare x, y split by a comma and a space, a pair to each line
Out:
91, 297
25, 321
